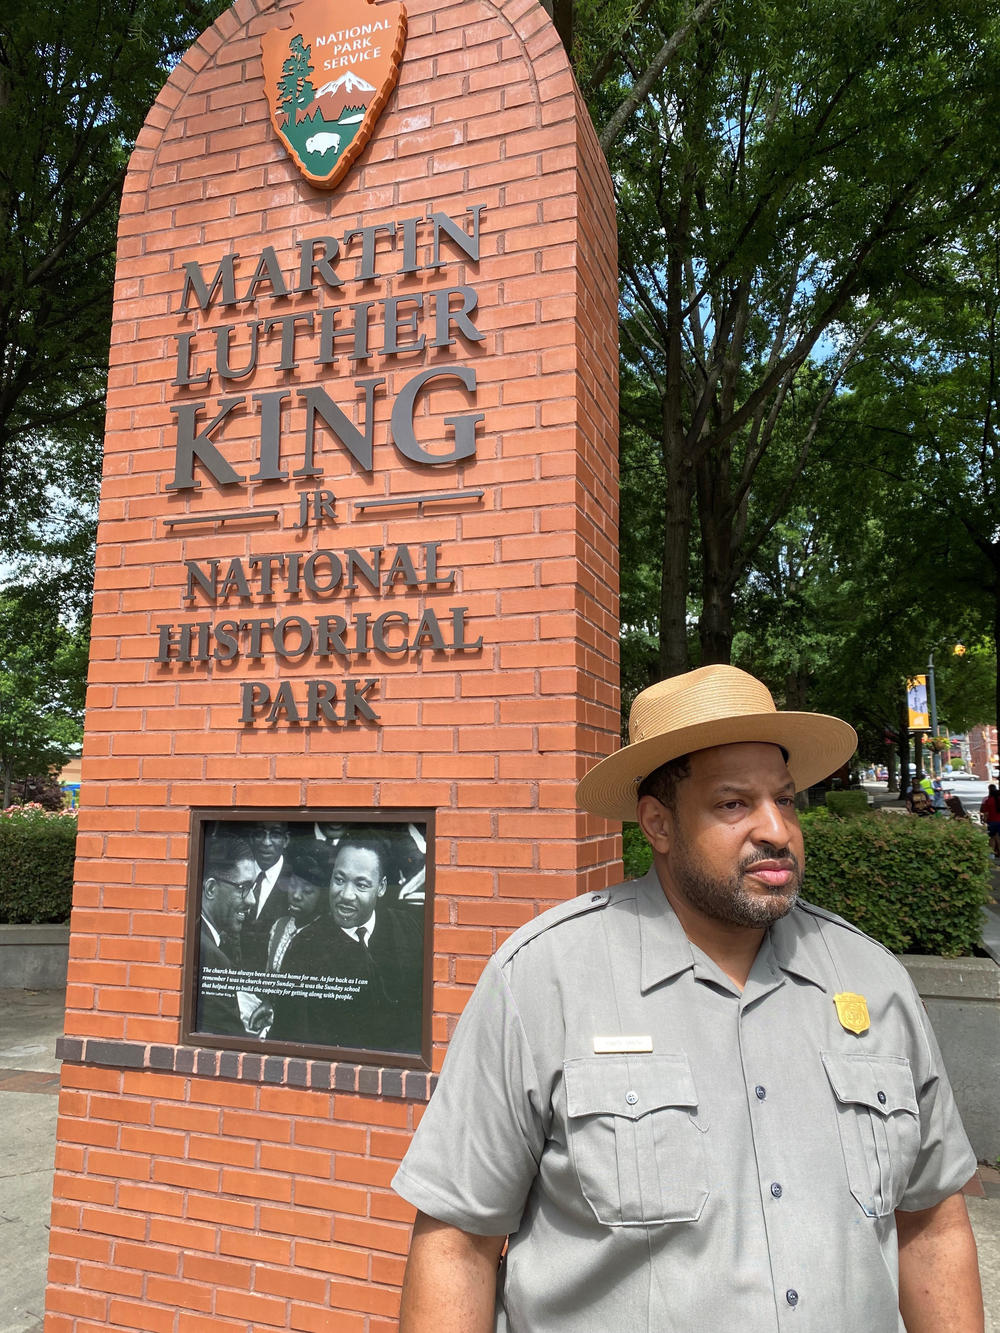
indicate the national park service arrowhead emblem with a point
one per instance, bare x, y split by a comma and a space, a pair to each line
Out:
852, 1010
328, 75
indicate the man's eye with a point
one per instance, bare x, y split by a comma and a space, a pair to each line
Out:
732, 805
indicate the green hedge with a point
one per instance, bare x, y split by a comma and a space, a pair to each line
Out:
847, 802
36, 864
916, 885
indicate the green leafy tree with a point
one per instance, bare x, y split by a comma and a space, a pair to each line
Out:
783, 180
295, 90
41, 697
925, 406
76, 82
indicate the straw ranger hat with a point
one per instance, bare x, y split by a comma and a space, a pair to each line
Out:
715, 705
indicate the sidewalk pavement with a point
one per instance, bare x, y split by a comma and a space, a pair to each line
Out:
30, 1022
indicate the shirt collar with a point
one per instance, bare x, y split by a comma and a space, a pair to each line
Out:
272, 874
211, 929
368, 927
798, 947
666, 951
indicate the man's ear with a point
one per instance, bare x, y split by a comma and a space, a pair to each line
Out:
208, 889
656, 822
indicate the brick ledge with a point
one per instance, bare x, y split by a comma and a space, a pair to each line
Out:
275, 1070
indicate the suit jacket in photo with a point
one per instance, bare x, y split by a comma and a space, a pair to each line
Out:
218, 1014
386, 1012
257, 929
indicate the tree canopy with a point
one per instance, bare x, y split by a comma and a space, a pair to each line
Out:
792, 175
42, 670
807, 205
77, 79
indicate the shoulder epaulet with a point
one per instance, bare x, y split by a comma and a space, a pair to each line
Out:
552, 917
836, 920
832, 917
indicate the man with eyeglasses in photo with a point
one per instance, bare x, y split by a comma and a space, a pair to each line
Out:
227, 899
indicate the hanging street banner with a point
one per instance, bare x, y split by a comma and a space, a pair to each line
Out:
916, 704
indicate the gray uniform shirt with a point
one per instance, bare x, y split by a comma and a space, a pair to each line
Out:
673, 1155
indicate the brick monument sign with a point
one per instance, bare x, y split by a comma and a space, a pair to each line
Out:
354, 640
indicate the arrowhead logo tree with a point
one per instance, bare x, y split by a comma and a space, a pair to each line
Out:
328, 76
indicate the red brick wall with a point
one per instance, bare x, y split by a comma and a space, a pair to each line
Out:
198, 1188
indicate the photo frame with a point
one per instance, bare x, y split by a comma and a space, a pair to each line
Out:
309, 933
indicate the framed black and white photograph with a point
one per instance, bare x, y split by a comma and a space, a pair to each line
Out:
310, 933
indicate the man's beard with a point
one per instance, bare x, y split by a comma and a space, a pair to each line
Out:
728, 899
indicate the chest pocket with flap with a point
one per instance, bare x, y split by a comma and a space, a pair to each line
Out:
637, 1145
879, 1125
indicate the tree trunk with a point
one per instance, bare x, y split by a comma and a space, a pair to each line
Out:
796, 689
679, 486
903, 745
715, 624
561, 14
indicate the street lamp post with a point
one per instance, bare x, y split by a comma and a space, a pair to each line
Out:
932, 698
935, 754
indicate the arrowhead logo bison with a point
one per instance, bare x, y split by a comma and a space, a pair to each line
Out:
328, 76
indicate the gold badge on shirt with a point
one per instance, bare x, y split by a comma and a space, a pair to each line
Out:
852, 1010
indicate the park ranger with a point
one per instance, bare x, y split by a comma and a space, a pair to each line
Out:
693, 1102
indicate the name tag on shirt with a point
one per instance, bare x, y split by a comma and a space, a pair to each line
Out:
623, 1045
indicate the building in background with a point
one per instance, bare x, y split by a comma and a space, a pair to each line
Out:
983, 751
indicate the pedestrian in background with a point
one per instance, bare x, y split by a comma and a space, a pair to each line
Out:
989, 813
917, 800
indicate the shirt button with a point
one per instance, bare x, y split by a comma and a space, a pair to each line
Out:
776, 1190
631, 1098
760, 1092
881, 1097
792, 1296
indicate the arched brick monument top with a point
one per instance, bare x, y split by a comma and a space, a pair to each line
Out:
454, 394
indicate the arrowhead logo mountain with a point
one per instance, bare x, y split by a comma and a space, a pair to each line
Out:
328, 75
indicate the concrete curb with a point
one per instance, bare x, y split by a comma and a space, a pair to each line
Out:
34, 957
962, 999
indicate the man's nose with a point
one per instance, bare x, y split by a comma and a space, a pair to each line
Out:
770, 826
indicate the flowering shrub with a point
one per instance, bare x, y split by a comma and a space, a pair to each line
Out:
37, 848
